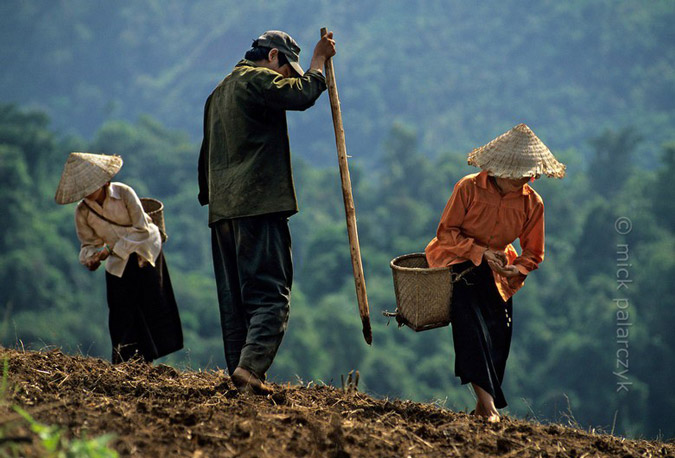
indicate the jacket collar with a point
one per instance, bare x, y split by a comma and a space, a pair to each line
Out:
246, 63
114, 191
482, 180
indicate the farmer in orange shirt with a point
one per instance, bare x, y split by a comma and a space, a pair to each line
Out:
486, 212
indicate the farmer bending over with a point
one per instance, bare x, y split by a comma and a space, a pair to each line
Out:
113, 228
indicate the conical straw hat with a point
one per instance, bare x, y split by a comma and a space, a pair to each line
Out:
517, 153
84, 173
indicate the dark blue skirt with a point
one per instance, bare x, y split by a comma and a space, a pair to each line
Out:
481, 330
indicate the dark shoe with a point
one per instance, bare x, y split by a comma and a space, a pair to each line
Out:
247, 382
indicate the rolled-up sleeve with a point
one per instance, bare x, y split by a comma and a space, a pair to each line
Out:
450, 242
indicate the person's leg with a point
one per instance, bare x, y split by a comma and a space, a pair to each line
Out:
123, 316
161, 328
266, 275
485, 406
480, 346
232, 316
502, 332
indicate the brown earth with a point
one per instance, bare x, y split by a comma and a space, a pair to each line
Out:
158, 411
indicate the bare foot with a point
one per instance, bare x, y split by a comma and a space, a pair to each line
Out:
485, 406
494, 418
490, 416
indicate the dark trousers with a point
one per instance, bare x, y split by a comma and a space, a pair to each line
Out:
143, 318
481, 330
254, 273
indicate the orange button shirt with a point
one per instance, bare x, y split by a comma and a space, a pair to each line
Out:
478, 217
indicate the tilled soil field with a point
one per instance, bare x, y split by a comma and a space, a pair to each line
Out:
158, 411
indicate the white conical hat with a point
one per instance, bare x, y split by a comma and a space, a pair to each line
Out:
517, 153
84, 173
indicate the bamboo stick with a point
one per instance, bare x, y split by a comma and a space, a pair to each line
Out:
350, 211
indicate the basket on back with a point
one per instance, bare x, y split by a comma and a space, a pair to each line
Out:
423, 294
155, 210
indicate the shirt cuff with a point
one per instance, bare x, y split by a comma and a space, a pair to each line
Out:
515, 283
525, 264
86, 253
476, 254
122, 250
522, 269
317, 74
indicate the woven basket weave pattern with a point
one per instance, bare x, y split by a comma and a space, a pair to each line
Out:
83, 174
155, 210
516, 154
423, 294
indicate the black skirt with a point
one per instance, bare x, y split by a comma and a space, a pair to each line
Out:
143, 319
481, 330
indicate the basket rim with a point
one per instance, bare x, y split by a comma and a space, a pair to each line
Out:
153, 200
424, 327
394, 266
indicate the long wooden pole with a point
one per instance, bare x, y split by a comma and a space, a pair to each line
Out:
350, 211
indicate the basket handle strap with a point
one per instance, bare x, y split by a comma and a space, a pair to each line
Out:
454, 278
103, 217
458, 277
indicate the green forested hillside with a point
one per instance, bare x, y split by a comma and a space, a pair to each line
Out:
565, 353
461, 72
421, 84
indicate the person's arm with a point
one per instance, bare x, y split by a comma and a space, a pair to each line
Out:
90, 243
532, 245
300, 93
532, 240
323, 50
452, 242
140, 230
296, 94
203, 165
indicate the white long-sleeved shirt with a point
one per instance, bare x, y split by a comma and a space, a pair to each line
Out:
123, 206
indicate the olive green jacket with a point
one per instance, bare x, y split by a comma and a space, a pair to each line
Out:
245, 158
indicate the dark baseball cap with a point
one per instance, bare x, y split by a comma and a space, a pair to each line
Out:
285, 44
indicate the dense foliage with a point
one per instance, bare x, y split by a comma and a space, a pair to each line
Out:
421, 83
466, 71
566, 348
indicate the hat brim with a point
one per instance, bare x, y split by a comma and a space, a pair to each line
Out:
517, 153
80, 194
296, 66
83, 174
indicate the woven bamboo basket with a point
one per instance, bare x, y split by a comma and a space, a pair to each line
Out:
423, 294
155, 210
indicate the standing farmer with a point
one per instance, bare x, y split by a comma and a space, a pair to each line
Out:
246, 179
486, 212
